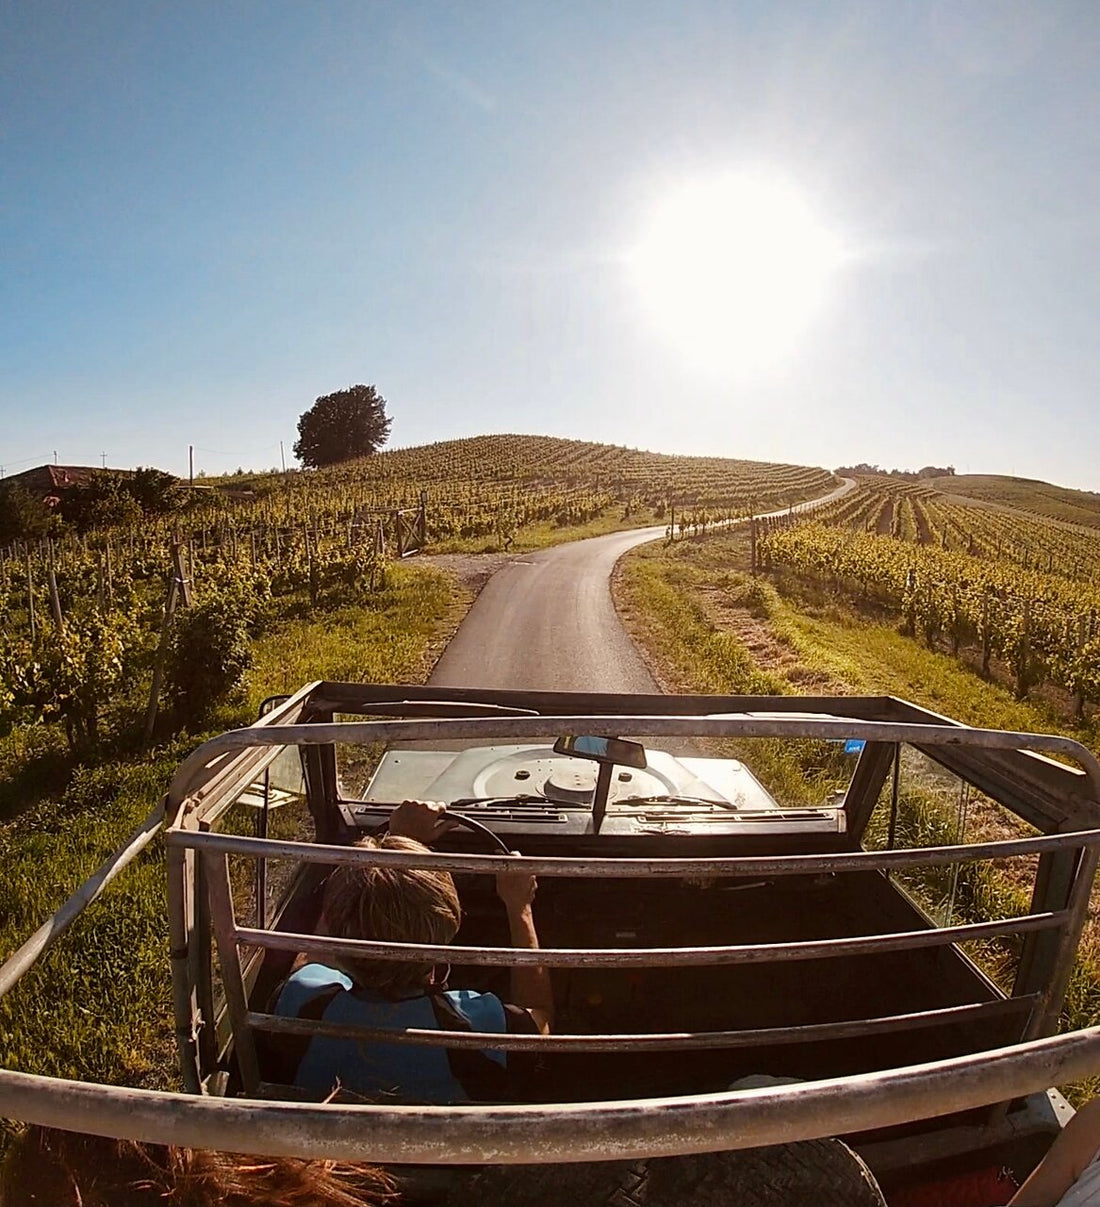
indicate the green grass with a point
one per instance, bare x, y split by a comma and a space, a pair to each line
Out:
97, 1006
392, 636
544, 533
657, 596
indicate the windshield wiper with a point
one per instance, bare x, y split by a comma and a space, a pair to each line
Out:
668, 799
517, 798
386, 807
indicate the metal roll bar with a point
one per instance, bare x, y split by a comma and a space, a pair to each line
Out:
547, 1134
570, 1132
644, 957
717, 725
732, 866
648, 1041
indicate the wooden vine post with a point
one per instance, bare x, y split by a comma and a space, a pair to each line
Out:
30, 598
987, 636
179, 591
55, 598
398, 535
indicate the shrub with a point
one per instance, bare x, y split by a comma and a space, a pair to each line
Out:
209, 655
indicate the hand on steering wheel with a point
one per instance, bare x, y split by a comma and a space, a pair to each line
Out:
424, 820
427, 820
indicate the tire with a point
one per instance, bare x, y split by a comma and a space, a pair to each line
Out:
592, 1184
811, 1173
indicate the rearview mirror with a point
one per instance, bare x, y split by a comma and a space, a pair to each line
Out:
602, 750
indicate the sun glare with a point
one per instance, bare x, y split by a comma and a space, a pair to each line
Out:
733, 270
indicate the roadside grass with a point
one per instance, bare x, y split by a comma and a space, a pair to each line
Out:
391, 636
98, 1005
544, 533
691, 607
831, 639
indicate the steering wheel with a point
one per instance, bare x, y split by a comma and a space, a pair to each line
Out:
471, 823
478, 827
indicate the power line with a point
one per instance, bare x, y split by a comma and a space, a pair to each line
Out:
41, 459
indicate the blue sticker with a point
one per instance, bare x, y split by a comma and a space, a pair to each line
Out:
854, 745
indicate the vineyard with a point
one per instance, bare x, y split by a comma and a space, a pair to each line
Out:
1019, 589
82, 614
497, 485
1028, 495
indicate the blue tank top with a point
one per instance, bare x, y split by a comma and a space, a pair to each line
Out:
381, 1071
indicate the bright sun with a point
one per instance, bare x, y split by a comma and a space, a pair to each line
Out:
733, 270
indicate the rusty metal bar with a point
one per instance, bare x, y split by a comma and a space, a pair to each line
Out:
22, 959
220, 765
741, 866
180, 926
1045, 1019
227, 937
646, 957
648, 1041
723, 725
546, 1134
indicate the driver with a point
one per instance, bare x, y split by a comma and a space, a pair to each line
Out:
411, 905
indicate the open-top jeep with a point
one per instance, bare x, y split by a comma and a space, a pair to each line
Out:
698, 930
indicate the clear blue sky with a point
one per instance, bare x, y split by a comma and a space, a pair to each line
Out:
212, 213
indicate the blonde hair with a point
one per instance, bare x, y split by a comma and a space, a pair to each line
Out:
391, 905
50, 1168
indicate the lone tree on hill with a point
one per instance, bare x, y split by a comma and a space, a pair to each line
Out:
349, 423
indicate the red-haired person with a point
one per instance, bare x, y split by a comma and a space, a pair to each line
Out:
48, 1168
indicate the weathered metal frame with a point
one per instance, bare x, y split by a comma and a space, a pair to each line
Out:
574, 1132
216, 849
830, 728
548, 1134
650, 1041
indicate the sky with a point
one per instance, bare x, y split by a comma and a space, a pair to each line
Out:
819, 233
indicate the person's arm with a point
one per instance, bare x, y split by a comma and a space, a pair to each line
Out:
530, 983
424, 820
1070, 1153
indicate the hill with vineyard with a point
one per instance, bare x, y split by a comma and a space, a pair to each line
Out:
90, 608
497, 485
1025, 494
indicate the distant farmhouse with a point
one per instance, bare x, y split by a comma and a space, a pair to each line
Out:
50, 482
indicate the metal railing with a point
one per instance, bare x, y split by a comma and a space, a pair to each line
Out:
216, 849
563, 1132
742, 725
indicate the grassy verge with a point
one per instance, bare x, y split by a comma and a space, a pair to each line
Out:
98, 1005
546, 532
707, 625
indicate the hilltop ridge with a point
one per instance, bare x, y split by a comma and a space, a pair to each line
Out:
1025, 494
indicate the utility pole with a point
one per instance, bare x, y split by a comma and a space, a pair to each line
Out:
282, 456
191, 464
55, 456
103, 458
